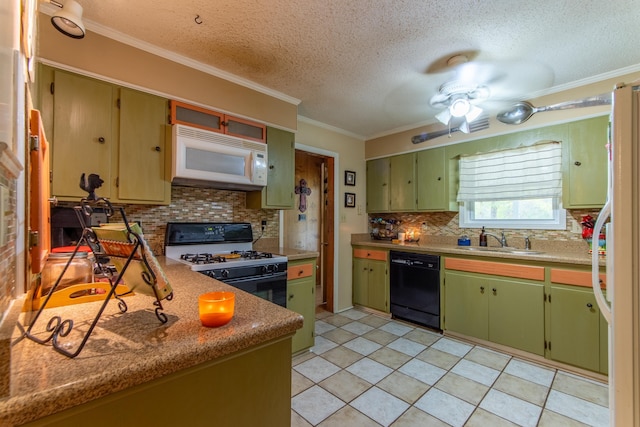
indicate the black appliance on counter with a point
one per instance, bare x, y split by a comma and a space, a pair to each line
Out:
415, 288
224, 252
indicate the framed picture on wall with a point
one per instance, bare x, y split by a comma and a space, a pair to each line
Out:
349, 178
350, 200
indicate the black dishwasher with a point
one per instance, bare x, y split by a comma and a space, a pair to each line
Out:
415, 288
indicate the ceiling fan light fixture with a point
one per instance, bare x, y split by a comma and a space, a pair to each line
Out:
69, 19
460, 107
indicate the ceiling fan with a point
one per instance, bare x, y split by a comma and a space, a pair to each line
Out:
471, 87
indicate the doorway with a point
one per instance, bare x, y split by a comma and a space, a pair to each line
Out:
310, 225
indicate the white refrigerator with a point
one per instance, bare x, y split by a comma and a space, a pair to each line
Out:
621, 306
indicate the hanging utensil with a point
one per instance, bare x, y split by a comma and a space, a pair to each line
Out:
474, 126
521, 111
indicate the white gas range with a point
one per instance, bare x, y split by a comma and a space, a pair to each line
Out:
223, 251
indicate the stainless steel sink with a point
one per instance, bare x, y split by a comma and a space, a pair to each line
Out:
507, 250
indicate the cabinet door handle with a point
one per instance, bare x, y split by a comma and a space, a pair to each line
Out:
271, 166
408, 182
482, 289
439, 178
577, 163
101, 139
157, 148
290, 297
589, 305
300, 273
495, 291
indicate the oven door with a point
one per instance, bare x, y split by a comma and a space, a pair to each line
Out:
272, 287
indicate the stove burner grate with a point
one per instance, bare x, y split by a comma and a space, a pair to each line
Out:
202, 258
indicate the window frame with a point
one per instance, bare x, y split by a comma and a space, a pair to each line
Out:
559, 221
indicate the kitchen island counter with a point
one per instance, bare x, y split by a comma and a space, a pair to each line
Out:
133, 349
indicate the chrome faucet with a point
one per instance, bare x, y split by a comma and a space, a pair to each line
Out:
502, 239
527, 243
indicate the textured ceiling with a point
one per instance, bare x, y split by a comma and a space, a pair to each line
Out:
370, 66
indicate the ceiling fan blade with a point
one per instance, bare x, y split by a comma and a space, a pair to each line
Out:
464, 127
444, 116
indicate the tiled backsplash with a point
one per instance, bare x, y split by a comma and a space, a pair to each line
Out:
189, 204
446, 224
8, 250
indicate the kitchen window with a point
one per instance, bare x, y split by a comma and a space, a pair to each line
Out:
516, 188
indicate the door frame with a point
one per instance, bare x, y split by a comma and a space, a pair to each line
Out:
336, 212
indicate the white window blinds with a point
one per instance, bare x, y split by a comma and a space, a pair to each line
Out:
521, 173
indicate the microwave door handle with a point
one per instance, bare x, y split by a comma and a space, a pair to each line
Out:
251, 166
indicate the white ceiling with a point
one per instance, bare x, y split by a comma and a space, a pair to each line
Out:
361, 65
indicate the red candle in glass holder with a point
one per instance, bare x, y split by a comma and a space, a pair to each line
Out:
216, 308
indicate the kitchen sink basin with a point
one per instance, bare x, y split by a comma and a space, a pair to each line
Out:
507, 250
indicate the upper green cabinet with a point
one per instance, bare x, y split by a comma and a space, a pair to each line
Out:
117, 133
585, 164
432, 190
402, 193
378, 184
279, 192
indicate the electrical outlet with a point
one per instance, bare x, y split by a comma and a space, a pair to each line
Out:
264, 224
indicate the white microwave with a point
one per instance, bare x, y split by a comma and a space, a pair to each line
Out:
203, 158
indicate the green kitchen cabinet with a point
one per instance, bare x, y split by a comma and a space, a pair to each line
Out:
431, 180
144, 156
502, 310
371, 279
466, 305
301, 284
604, 346
280, 189
117, 133
84, 133
574, 327
585, 165
402, 192
378, 185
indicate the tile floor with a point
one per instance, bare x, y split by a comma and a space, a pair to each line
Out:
368, 370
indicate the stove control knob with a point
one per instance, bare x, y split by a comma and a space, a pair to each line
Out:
264, 269
274, 268
225, 273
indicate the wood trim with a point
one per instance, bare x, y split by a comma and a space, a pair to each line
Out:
576, 278
495, 268
263, 139
173, 104
329, 230
300, 271
370, 254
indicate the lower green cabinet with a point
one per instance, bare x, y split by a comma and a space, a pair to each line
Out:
578, 334
371, 279
501, 310
301, 284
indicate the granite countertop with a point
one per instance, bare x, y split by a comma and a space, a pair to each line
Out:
126, 349
561, 252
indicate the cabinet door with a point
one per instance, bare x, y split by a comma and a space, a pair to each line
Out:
378, 297
245, 128
83, 137
575, 325
142, 175
466, 305
431, 182
604, 346
586, 169
360, 281
378, 175
402, 190
301, 299
516, 314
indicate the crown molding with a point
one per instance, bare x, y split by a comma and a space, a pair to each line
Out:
329, 127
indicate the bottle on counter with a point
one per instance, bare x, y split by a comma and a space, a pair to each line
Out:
483, 238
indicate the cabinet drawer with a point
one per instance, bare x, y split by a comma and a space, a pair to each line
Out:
299, 271
495, 268
576, 278
370, 254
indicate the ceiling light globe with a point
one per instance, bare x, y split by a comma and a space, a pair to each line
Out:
459, 107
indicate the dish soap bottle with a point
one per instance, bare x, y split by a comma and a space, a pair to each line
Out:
483, 238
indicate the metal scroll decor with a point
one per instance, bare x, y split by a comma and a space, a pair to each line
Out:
58, 328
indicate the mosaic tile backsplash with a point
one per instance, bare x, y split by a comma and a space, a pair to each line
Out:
190, 204
446, 224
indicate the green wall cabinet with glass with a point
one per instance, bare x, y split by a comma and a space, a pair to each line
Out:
118, 133
301, 284
279, 192
497, 309
577, 333
371, 278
